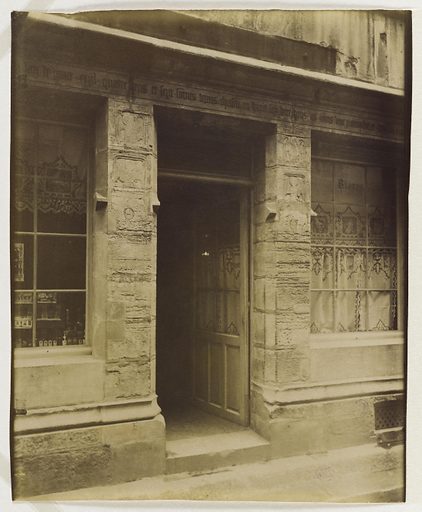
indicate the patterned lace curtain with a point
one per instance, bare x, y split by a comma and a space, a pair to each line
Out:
354, 267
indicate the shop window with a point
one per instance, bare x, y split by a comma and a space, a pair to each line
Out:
354, 253
49, 219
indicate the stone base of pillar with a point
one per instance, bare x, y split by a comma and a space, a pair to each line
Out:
85, 457
315, 427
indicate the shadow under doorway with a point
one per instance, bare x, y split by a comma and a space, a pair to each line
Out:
174, 294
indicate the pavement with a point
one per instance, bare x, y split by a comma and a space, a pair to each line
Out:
359, 474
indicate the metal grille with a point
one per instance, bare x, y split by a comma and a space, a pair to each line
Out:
389, 414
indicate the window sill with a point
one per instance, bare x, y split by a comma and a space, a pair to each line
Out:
39, 356
356, 339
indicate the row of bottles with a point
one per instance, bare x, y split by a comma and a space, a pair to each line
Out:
69, 337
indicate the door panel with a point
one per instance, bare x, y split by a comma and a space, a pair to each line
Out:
220, 288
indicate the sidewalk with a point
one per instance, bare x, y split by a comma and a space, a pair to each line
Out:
365, 473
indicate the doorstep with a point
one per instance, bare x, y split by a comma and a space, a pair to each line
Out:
215, 451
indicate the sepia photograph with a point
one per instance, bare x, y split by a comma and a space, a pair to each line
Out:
209, 254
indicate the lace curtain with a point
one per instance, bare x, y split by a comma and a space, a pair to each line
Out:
353, 253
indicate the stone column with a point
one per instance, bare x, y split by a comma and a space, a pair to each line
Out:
126, 191
281, 280
123, 287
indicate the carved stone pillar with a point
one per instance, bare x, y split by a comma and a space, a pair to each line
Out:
281, 302
126, 182
122, 288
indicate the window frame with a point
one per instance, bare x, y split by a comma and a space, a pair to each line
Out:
372, 336
77, 349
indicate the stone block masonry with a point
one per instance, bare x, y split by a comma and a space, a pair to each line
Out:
85, 457
281, 266
126, 148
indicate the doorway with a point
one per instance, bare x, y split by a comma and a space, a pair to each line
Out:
202, 298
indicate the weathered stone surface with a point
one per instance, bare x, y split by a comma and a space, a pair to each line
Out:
292, 333
294, 225
126, 145
59, 382
85, 457
265, 294
294, 188
62, 470
55, 442
289, 296
293, 151
258, 356
130, 212
356, 362
128, 378
291, 366
134, 173
131, 126
260, 414
282, 273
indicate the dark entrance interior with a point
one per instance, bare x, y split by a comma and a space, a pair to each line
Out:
205, 167
174, 292
200, 336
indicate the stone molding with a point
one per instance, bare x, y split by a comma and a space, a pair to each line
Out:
57, 418
355, 339
327, 391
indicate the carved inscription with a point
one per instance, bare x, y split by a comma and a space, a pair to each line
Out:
122, 85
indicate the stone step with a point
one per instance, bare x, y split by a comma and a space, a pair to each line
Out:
358, 474
210, 452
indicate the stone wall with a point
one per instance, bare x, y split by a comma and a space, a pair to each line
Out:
369, 44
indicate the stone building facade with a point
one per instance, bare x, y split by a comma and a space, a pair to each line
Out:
207, 208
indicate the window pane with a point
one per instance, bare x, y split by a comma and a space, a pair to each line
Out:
322, 223
23, 261
350, 268
350, 311
24, 166
363, 239
322, 181
382, 308
349, 184
205, 310
382, 269
380, 187
62, 181
61, 262
60, 318
381, 226
22, 319
322, 317
227, 313
322, 267
350, 226
229, 268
